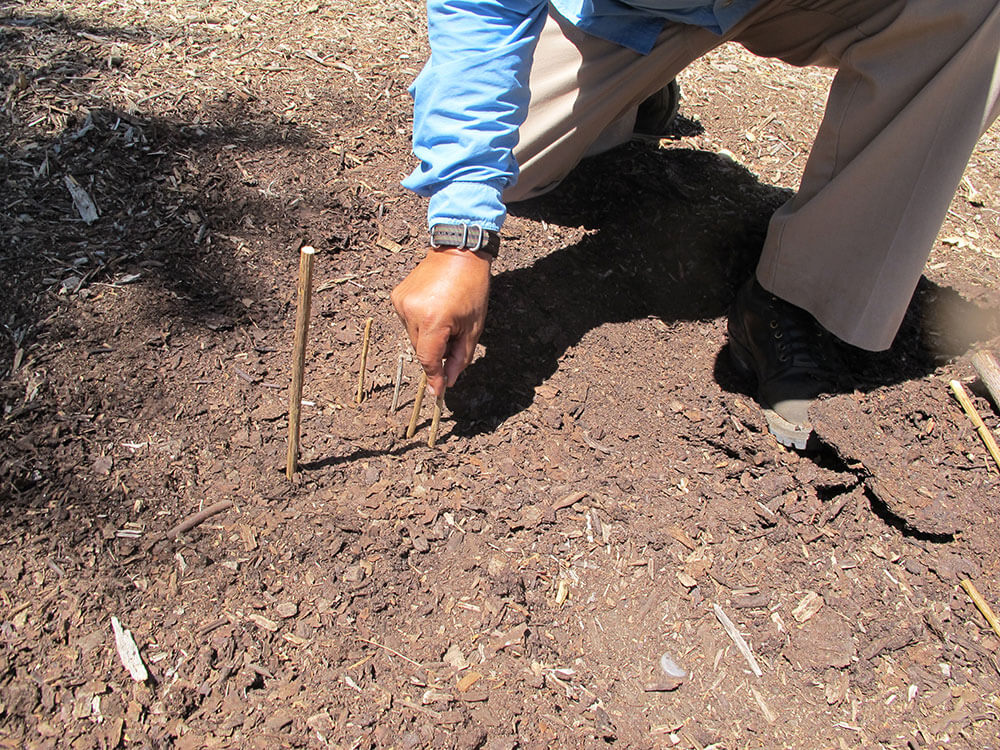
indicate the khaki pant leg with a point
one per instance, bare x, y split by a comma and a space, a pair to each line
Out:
584, 93
918, 82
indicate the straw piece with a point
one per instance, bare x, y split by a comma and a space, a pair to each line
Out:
366, 341
981, 604
417, 403
438, 405
977, 421
306, 257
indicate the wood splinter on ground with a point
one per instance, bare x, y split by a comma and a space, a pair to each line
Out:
128, 651
734, 634
299, 358
417, 403
977, 421
981, 604
365, 343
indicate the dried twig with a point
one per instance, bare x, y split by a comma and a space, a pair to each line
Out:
366, 341
977, 421
436, 420
200, 517
981, 604
989, 372
737, 639
299, 358
417, 403
189, 523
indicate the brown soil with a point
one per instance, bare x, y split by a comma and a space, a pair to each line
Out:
603, 481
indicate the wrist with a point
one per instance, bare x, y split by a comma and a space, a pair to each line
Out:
473, 256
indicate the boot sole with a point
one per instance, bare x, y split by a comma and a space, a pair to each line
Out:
786, 433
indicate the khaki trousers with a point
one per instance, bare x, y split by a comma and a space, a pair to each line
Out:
917, 83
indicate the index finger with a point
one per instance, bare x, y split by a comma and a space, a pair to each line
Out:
431, 347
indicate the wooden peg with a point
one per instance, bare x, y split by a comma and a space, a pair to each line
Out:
366, 341
417, 403
306, 257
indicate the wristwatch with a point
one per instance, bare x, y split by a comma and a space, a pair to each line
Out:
466, 237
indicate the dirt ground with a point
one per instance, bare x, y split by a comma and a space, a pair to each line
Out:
603, 492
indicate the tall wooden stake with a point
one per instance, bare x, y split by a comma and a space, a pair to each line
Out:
299, 358
364, 361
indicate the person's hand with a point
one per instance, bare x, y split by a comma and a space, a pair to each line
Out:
442, 303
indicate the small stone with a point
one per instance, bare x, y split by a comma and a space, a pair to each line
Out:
288, 609
420, 544
321, 722
354, 574
103, 465
454, 657
278, 720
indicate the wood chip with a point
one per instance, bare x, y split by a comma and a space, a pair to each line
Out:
686, 580
263, 623
470, 679
811, 604
571, 499
128, 651
84, 204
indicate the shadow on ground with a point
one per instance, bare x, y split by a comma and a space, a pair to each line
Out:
670, 235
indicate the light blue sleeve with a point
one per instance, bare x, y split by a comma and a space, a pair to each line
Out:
469, 101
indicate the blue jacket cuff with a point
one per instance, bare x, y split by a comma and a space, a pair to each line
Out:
467, 203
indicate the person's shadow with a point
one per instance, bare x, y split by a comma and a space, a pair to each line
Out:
669, 234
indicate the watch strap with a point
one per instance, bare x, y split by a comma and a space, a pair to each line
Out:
466, 237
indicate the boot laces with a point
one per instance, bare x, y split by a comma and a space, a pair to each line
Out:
797, 342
